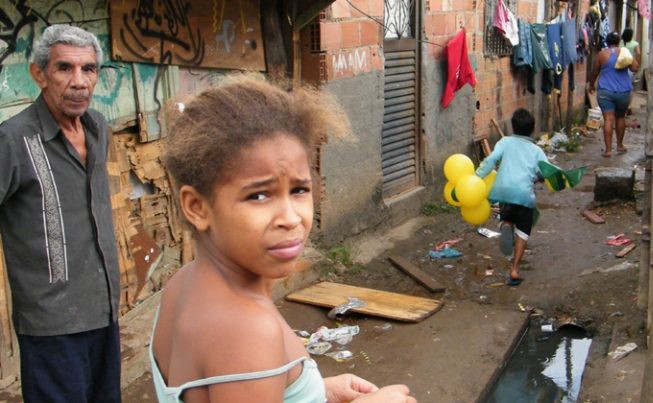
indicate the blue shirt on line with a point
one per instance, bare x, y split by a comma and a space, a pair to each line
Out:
516, 157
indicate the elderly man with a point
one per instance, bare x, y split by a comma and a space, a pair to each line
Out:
57, 230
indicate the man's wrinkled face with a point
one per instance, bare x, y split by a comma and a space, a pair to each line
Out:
68, 81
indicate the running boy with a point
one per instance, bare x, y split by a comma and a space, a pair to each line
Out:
517, 157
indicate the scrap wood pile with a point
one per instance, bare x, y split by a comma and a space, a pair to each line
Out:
151, 242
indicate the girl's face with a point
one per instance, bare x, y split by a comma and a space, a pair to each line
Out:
260, 217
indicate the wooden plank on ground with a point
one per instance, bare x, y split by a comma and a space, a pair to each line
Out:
385, 304
593, 217
416, 273
626, 250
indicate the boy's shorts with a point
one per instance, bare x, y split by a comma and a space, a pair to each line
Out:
520, 216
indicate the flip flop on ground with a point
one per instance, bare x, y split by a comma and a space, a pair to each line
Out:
513, 282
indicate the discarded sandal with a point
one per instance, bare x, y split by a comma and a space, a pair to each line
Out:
618, 240
514, 282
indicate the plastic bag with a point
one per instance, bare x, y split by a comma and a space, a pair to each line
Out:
624, 60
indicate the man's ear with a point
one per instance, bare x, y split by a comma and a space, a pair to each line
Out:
38, 75
195, 207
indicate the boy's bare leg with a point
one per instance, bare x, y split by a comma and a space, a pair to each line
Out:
520, 247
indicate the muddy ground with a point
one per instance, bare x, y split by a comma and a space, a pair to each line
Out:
455, 354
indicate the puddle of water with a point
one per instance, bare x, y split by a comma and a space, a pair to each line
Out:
545, 367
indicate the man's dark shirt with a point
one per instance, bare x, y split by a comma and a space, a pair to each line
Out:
56, 225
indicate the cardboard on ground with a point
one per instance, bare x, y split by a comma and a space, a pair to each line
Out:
385, 304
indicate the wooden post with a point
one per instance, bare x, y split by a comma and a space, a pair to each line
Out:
645, 242
276, 58
9, 357
570, 91
647, 385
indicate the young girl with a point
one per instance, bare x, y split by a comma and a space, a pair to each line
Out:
239, 155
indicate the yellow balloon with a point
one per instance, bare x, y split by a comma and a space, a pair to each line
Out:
470, 190
448, 194
476, 215
489, 181
457, 166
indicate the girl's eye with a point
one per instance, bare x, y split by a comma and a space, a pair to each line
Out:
257, 197
301, 190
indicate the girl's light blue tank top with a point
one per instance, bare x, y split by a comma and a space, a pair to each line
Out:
307, 388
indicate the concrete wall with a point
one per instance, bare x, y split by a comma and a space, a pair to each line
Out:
352, 170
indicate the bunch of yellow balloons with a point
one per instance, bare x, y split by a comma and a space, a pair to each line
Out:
466, 190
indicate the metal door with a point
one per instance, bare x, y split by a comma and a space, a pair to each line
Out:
399, 142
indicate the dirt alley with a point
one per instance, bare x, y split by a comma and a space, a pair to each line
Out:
455, 354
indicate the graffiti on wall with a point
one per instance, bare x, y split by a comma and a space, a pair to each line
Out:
350, 62
195, 33
21, 23
17, 16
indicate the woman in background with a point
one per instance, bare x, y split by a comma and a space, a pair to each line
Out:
613, 96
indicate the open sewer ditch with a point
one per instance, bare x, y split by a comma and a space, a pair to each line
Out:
546, 366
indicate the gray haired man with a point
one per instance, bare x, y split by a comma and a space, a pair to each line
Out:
57, 229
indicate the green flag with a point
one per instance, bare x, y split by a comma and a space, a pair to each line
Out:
558, 179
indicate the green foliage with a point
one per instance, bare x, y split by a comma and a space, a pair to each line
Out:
579, 117
339, 260
340, 255
574, 143
433, 209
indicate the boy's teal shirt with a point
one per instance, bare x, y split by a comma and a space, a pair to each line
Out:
516, 158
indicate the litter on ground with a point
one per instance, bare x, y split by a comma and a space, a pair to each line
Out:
622, 351
447, 244
445, 253
617, 240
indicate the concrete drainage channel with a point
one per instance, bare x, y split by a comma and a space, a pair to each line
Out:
547, 365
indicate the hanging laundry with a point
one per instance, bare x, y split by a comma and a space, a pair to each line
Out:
541, 58
644, 7
540, 47
459, 70
569, 41
554, 38
605, 30
523, 53
593, 24
506, 23
595, 9
583, 43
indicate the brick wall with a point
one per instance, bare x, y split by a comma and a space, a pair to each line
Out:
343, 42
346, 42
501, 89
